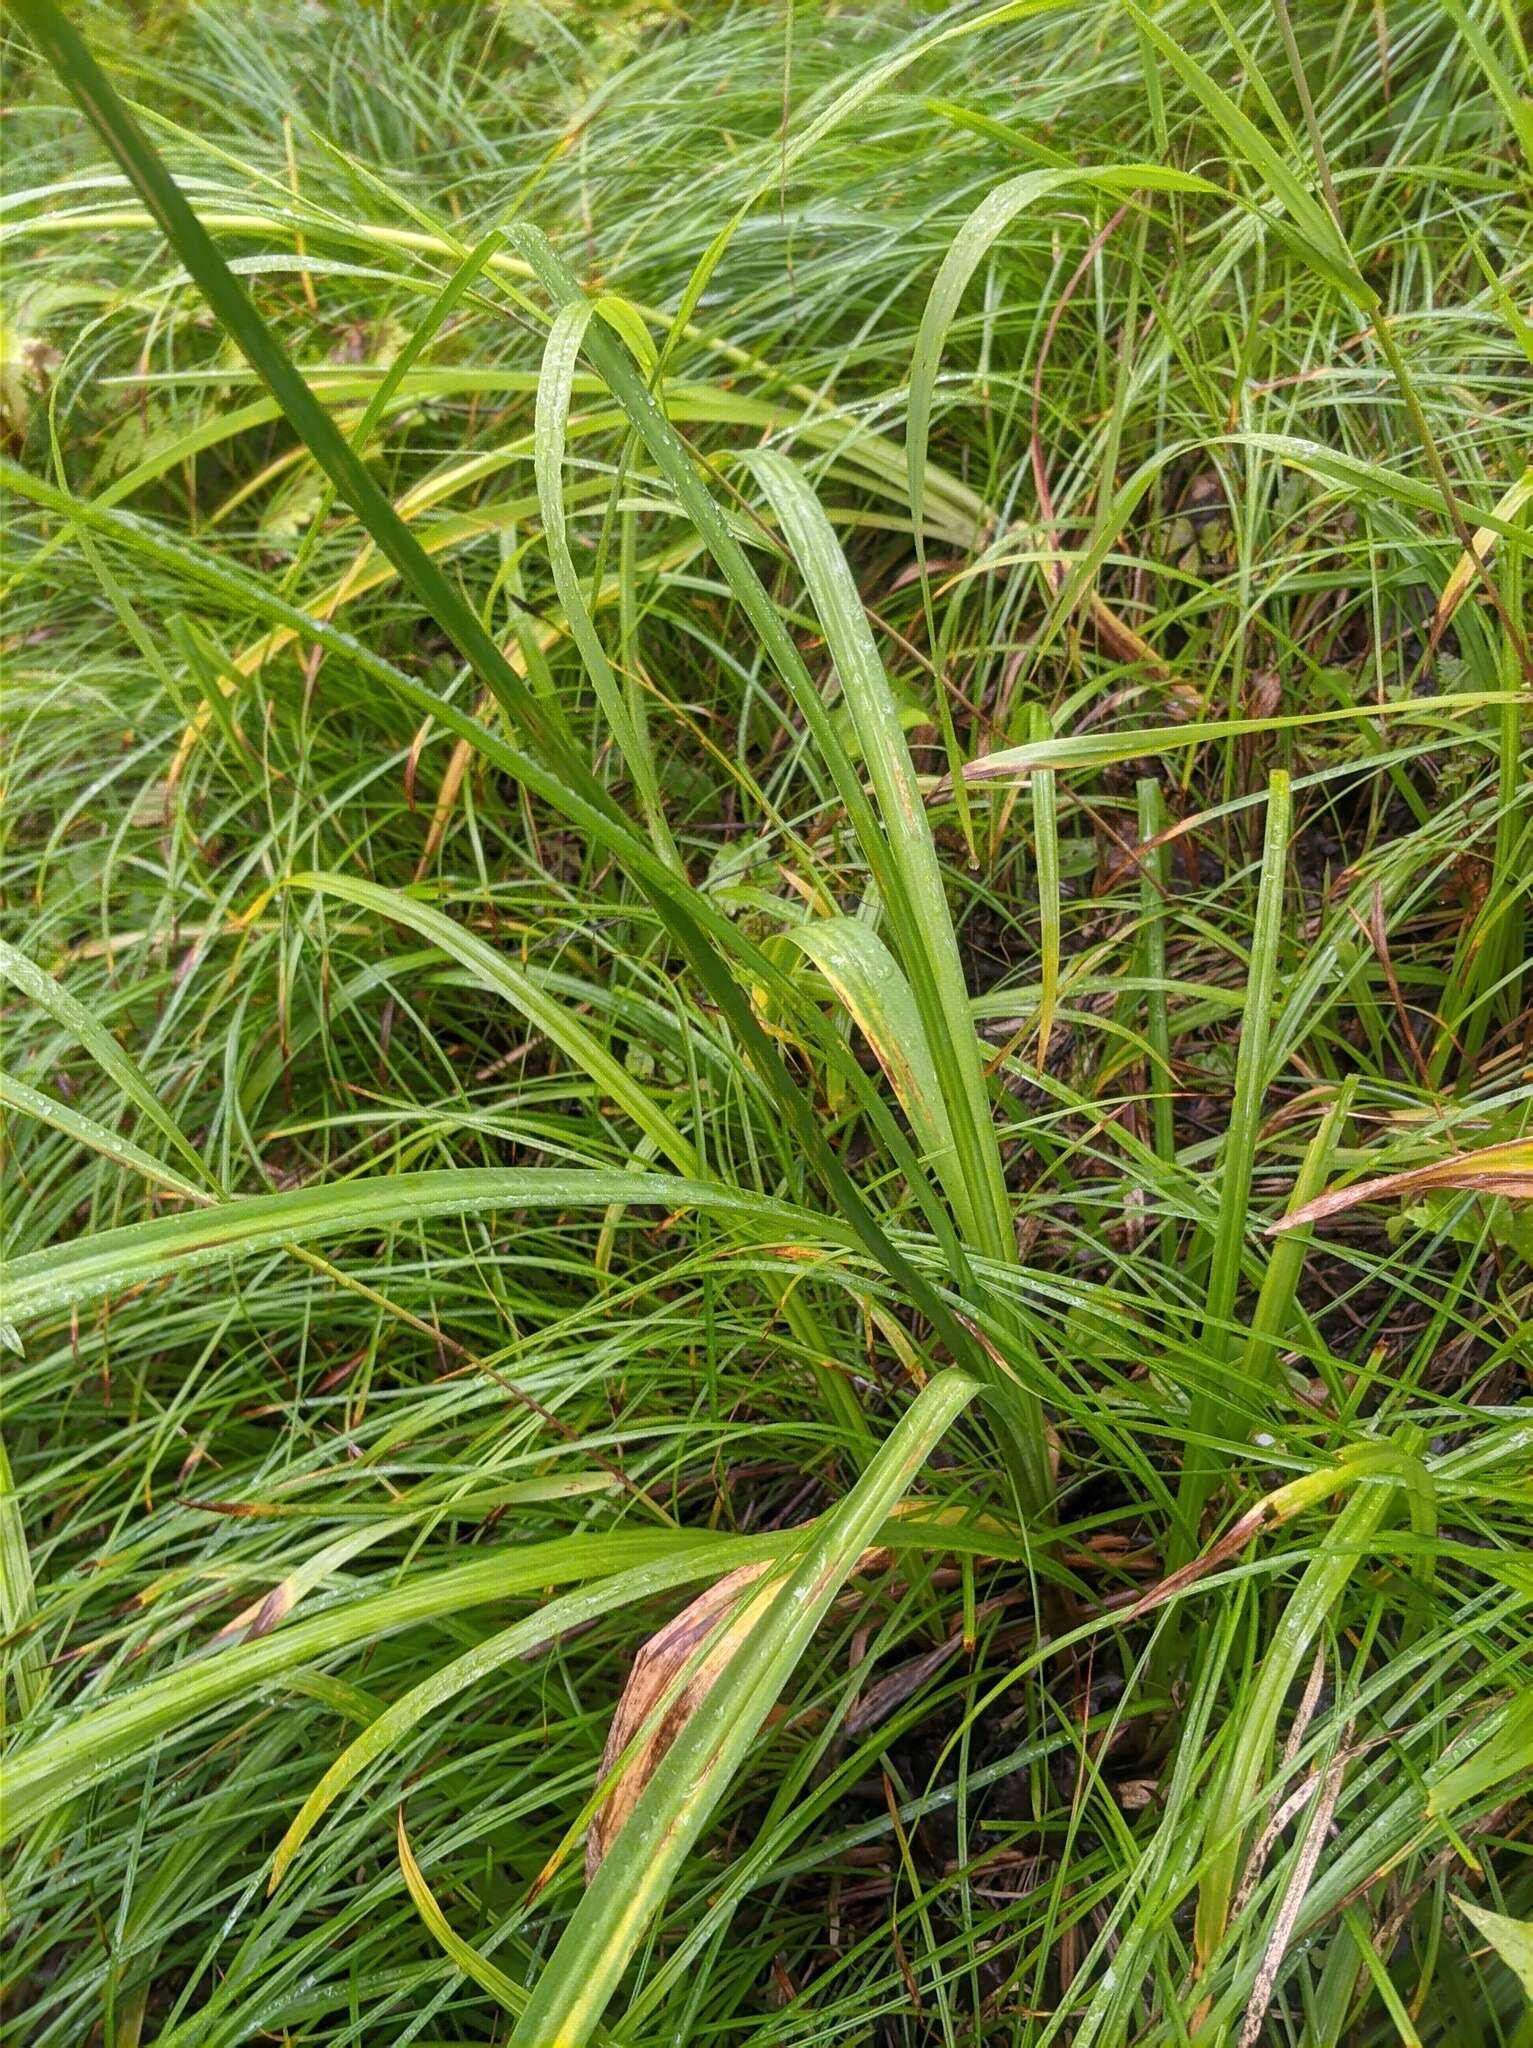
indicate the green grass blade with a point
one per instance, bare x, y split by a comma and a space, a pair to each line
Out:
509, 1996
560, 355
18, 1598
984, 227
569, 776
1314, 234
66, 51
63, 1116
1106, 749
898, 846
501, 976
106, 1736
1154, 911
1046, 843
139, 1254
900, 850
1211, 1412
573, 1610
1231, 1801
1280, 1282
877, 997
581, 1975
52, 996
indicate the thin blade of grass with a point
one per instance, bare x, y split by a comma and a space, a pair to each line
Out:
1046, 843
501, 976
52, 996
1211, 1412
63, 1116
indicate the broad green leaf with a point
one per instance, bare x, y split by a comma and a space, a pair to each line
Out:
580, 1976
1511, 1939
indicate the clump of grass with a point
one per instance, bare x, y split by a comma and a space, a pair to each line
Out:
728, 752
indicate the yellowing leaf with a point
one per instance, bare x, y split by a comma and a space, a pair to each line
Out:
1508, 506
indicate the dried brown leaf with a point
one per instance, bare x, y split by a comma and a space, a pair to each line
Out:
1494, 1170
654, 1708
677, 1669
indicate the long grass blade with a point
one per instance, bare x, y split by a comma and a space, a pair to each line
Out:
580, 1976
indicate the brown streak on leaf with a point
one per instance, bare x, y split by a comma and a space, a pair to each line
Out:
1494, 1170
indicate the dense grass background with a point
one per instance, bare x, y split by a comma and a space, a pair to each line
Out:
1180, 471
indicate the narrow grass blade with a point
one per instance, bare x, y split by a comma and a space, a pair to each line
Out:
899, 847
479, 1969
501, 976
1106, 749
63, 1116
53, 997
1046, 843
1154, 890
1499, 1170
968, 249
560, 354
106, 1736
1210, 1411
565, 777
1280, 1282
1313, 234
18, 1597
876, 995
573, 1610
62, 45
1231, 1801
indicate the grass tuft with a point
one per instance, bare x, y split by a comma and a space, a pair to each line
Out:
766, 867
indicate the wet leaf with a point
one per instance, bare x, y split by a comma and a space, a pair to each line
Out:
1511, 1939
